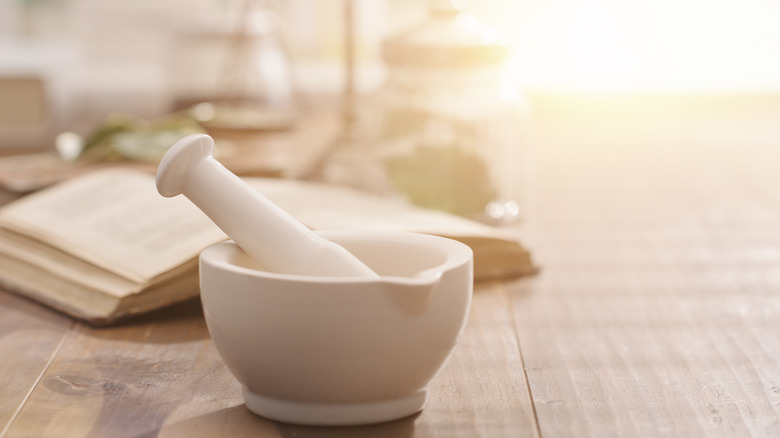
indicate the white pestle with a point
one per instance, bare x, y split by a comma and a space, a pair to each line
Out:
261, 228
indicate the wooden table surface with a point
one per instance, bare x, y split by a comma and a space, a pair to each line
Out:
656, 221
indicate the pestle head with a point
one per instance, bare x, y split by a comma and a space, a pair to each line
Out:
173, 168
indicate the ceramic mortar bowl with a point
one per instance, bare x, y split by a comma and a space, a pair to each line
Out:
339, 351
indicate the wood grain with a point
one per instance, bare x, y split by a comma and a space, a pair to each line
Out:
657, 310
482, 390
30, 336
129, 380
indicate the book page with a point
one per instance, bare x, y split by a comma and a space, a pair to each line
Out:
328, 207
498, 252
117, 220
55, 262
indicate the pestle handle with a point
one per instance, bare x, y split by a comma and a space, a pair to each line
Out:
261, 228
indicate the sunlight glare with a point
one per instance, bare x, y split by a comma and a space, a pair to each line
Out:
645, 45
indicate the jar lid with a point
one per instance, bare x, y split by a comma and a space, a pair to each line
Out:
449, 38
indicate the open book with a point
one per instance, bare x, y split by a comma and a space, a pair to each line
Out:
106, 245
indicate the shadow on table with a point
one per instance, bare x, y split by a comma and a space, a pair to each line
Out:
181, 322
238, 422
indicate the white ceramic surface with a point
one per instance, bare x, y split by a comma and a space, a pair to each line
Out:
339, 351
265, 231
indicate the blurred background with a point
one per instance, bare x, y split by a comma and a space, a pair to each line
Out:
608, 65
129, 48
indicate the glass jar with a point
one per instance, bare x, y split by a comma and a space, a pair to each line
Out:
450, 128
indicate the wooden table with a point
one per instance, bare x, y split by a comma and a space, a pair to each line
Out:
656, 221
